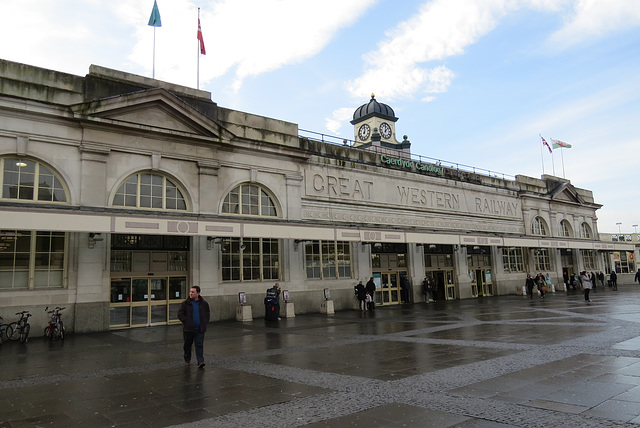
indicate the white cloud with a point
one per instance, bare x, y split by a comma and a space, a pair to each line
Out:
441, 29
258, 36
338, 118
594, 18
444, 28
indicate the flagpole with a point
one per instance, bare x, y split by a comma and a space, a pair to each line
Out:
562, 154
154, 21
198, 53
553, 163
154, 53
541, 157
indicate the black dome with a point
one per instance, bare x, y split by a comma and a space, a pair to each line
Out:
373, 108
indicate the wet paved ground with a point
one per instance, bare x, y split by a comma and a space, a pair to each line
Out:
492, 362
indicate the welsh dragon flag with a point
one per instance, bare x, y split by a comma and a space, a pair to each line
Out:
560, 144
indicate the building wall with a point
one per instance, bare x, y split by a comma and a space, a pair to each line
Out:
98, 130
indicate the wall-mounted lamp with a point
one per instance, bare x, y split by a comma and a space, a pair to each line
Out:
243, 247
93, 238
212, 240
297, 242
432, 246
378, 245
476, 247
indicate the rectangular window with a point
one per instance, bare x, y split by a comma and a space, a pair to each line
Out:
542, 260
512, 259
35, 255
328, 259
312, 259
589, 259
623, 261
250, 259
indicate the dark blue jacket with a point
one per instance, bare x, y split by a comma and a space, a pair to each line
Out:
185, 314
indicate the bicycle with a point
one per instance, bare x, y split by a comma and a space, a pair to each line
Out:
55, 329
21, 328
6, 330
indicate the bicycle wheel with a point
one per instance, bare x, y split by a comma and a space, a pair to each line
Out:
13, 327
47, 331
55, 333
6, 332
24, 334
61, 332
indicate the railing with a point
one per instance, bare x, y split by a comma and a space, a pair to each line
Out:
331, 139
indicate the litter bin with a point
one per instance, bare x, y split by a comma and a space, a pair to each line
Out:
271, 306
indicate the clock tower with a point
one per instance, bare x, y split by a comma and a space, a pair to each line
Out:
375, 126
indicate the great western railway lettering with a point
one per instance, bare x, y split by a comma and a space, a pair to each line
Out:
342, 187
428, 198
494, 206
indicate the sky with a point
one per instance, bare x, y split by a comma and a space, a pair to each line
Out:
472, 82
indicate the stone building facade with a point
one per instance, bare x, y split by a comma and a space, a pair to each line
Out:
120, 191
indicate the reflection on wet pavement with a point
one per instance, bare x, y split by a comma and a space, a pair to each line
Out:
491, 362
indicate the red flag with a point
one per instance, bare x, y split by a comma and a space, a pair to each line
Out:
202, 49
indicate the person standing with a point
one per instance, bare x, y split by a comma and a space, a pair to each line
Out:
529, 284
601, 278
541, 283
426, 289
614, 279
405, 288
586, 284
637, 278
371, 291
194, 314
277, 290
361, 294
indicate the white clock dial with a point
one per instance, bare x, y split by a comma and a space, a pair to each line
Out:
385, 130
364, 132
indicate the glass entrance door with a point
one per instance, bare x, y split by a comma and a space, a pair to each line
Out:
481, 283
149, 301
443, 283
137, 302
389, 291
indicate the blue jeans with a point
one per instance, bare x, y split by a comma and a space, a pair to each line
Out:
190, 338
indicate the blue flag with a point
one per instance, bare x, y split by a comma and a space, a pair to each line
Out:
154, 20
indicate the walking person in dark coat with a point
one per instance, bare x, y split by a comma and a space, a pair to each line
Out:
529, 283
194, 314
371, 291
614, 279
361, 294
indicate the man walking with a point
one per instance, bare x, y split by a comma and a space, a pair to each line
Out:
194, 314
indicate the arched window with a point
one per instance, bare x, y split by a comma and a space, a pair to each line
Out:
538, 227
249, 199
585, 231
565, 229
29, 180
147, 190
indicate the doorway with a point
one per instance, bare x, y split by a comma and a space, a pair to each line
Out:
481, 283
138, 302
444, 284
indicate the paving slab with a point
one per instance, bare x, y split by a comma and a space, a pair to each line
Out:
491, 362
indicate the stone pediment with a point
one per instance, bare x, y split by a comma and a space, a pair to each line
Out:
154, 108
566, 192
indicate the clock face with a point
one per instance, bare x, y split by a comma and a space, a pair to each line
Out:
385, 130
364, 132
